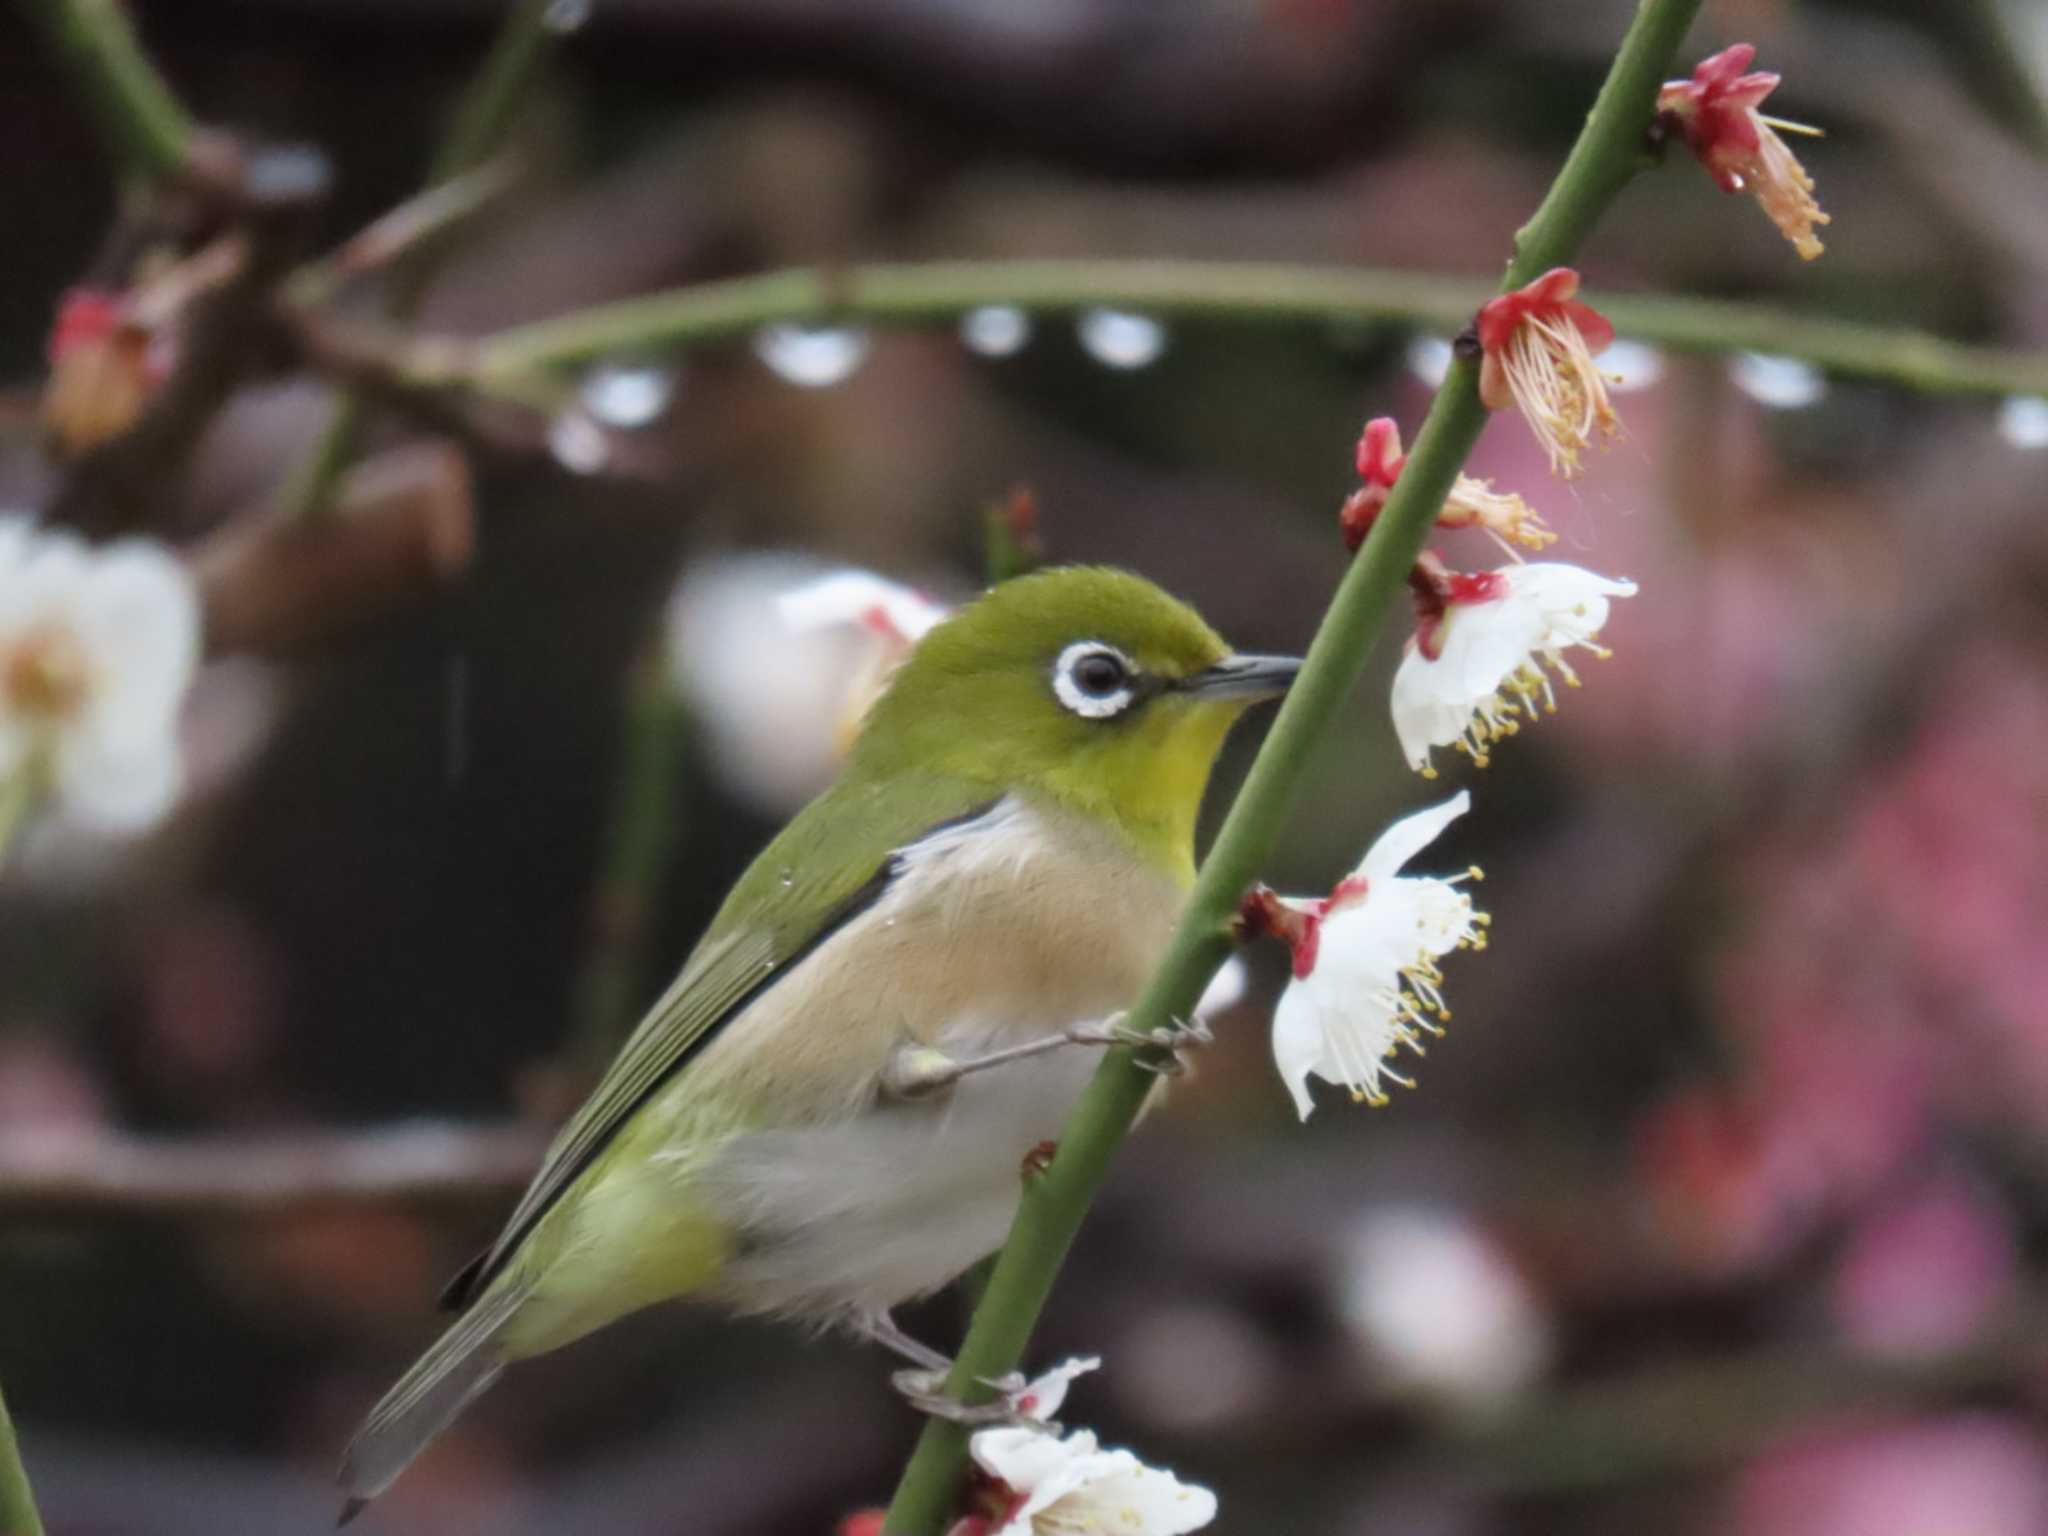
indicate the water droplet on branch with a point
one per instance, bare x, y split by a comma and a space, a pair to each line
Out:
2023, 421
1429, 359
565, 16
1780, 383
813, 356
578, 443
628, 395
1631, 365
995, 330
1119, 339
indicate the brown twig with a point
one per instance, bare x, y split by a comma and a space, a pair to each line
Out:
404, 524
71, 1176
221, 337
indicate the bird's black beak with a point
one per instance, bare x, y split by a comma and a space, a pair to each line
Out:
1244, 677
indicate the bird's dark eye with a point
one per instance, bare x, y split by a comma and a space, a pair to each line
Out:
1099, 673
1094, 680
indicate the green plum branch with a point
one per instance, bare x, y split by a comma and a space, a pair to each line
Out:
482, 120
138, 116
18, 1515
932, 293
1054, 1203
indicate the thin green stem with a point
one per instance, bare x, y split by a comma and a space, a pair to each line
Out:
18, 1515
934, 293
639, 843
481, 122
145, 128
18, 792
1053, 1205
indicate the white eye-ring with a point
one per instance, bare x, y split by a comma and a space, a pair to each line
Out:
1094, 679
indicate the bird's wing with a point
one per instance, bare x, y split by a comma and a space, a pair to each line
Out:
829, 865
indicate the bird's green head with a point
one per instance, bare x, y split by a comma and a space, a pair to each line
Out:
1086, 685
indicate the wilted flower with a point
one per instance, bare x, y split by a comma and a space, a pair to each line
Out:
97, 649
1716, 111
105, 364
1480, 638
1538, 344
1473, 503
1068, 1485
893, 616
1365, 975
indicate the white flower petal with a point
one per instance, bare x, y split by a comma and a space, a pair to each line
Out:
138, 616
860, 597
1298, 1046
1139, 1499
1070, 1485
1225, 991
118, 790
1393, 848
1042, 1397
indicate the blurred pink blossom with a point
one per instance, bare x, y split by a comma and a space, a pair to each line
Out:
1973, 1476
1923, 1274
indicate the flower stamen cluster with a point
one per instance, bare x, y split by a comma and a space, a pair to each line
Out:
1716, 114
1473, 503
1537, 346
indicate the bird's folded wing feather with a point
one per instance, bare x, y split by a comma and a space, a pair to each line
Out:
828, 865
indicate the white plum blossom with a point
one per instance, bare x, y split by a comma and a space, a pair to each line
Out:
1366, 980
97, 650
892, 616
1489, 637
1068, 1485
1042, 1395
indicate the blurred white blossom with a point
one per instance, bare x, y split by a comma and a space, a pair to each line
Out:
1489, 636
890, 616
1440, 1311
779, 658
97, 650
1365, 974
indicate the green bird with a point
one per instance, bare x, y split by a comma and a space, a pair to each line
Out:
825, 1114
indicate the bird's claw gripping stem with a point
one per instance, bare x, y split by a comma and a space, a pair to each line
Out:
925, 1390
1170, 1038
919, 1071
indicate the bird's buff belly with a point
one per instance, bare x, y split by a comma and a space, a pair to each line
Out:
841, 1221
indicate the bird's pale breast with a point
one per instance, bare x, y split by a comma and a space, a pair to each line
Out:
775, 1148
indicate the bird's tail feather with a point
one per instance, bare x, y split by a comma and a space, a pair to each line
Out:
463, 1362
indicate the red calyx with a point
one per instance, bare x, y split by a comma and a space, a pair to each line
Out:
1264, 912
1552, 295
1715, 110
1380, 461
1434, 586
85, 315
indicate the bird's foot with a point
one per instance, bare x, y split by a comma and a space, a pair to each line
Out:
882, 1328
925, 1390
1161, 1050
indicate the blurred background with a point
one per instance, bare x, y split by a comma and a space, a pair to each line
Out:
1724, 1203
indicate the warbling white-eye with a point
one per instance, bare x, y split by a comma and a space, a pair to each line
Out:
827, 1112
